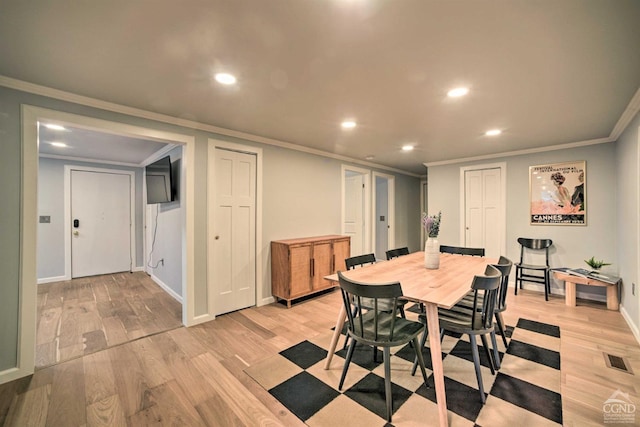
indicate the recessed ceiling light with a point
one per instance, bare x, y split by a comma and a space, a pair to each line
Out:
457, 92
348, 124
493, 132
407, 147
58, 144
54, 127
225, 78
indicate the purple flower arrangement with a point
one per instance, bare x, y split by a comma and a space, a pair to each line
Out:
431, 224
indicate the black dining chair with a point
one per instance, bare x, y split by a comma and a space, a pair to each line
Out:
398, 252
504, 265
460, 250
476, 320
361, 261
535, 273
378, 325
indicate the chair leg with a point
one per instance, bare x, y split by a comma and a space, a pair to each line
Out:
387, 381
476, 362
496, 353
420, 361
501, 327
423, 341
352, 347
546, 287
518, 280
485, 344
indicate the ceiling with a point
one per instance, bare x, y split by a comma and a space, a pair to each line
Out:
545, 72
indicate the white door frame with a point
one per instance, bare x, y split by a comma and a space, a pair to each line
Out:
263, 297
68, 219
367, 203
28, 224
391, 209
503, 202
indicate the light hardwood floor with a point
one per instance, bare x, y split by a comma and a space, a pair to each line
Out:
195, 376
82, 316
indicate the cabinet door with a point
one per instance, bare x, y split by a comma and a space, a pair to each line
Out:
300, 264
322, 263
341, 251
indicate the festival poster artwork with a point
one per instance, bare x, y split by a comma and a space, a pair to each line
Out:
558, 193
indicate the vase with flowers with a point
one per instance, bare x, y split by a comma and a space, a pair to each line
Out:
431, 224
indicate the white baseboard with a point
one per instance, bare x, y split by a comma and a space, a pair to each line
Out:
266, 301
167, 288
632, 326
52, 279
141, 268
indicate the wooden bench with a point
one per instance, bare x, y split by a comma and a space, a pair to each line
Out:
570, 288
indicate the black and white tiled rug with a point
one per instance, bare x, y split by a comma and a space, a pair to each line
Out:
525, 391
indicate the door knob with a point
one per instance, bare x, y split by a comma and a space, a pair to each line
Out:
217, 237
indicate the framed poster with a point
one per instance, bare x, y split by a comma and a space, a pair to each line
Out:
557, 193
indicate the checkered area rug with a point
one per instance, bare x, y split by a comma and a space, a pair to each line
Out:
525, 391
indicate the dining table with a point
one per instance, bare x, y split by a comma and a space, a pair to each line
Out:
442, 287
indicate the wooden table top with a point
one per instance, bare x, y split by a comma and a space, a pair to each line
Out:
444, 286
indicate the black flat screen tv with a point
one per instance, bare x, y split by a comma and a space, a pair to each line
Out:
159, 185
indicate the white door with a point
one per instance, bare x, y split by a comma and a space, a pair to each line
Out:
483, 210
234, 231
354, 212
101, 223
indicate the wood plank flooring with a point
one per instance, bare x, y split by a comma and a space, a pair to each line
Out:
82, 316
195, 376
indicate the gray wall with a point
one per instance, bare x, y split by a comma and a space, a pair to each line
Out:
301, 198
168, 234
628, 177
50, 257
10, 177
572, 244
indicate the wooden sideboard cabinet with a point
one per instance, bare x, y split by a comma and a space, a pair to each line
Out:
298, 266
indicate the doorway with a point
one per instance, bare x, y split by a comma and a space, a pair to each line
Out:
384, 214
356, 202
483, 219
99, 221
233, 258
234, 221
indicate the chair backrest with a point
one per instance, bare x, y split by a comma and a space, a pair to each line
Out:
377, 309
535, 245
485, 289
395, 253
459, 250
504, 265
359, 260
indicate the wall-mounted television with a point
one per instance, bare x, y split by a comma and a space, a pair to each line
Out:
159, 183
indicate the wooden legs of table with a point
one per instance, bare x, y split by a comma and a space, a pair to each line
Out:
342, 317
433, 326
612, 295
570, 293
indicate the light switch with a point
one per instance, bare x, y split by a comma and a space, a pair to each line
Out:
45, 219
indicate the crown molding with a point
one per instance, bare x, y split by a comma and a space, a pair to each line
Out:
522, 152
23, 86
626, 117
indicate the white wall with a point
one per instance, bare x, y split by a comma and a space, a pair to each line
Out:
572, 244
628, 175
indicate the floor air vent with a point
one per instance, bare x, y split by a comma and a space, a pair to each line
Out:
618, 363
